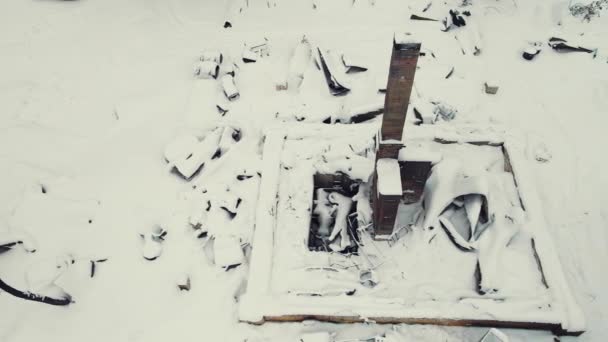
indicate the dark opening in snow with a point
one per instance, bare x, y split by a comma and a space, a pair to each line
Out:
323, 220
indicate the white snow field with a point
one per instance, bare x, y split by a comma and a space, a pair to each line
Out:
92, 92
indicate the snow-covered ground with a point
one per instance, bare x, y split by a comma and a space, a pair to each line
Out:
91, 93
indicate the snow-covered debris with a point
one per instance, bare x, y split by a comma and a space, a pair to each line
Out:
353, 64
230, 136
424, 112
41, 276
333, 71
325, 212
197, 219
364, 208
183, 282
249, 56
229, 88
180, 148
235, 8
228, 68
389, 177
298, 64
421, 18
541, 153
213, 56
355, 166
344, 204
587, 9
9, 240
495, 335
560, 45
207, 69
507, 218
222, 106
454, 234
94, 265
229, 202
153, 239
259, 46
453, 20
429, 111
188, 155
490, 89
360, 113
449, 180
444, 111
472, 206
368, 278
227, 251
530, 52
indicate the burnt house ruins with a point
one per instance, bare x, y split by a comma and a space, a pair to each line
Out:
396, 178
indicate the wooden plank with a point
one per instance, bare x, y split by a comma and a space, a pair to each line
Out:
490, 323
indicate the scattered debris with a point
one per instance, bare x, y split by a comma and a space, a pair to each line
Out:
359, 114
298, 64
228, 69
352, 65
212, 56
449, 73
587, 9
230, 136
444, 111
207, 69
541, 153
424, 112
10, 240
94, 265
426, 8
325, 212
41, 278
344, 204
223, 107
494, 335
559, 45
490, 89
368, 278
227, 251
235, 7
454, 20
153, 242
187, 155
229, 87
249, 56
417, 17
258, 46
183, 282
335, 87
230, 203
530, 53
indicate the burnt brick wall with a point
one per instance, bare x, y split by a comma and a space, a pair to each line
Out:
413, 179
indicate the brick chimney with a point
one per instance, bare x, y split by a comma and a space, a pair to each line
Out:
398, 90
